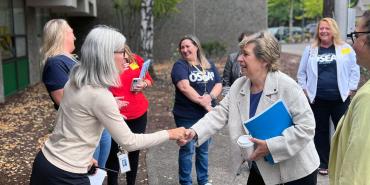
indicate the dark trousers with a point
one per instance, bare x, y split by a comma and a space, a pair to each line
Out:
323, 110
45, 173
256, 179
137, 126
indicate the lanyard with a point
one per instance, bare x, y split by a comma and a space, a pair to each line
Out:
203, 72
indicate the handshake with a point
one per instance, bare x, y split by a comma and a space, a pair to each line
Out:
182, 135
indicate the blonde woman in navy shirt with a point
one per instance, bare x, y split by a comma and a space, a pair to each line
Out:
329, 75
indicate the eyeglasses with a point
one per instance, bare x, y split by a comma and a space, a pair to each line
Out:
354, 35
123, 52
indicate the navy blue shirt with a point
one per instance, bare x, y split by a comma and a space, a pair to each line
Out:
56, 72
327, 85
254, 99
199, 81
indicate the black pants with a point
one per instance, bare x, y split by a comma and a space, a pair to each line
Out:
45, 173
137, 126
323, 110
256, 179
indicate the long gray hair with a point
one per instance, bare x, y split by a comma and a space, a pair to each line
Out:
97, 66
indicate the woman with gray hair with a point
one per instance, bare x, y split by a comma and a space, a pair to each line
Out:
262, 84
87, 107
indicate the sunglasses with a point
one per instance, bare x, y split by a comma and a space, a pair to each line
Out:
354, 35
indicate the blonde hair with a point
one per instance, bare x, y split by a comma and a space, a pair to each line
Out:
267, 48
53, 38
200, 54
334, 29
131, 58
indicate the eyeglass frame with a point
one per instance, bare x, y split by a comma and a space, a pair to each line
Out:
350, 35
123, 52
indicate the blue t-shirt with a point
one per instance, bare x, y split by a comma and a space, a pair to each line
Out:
201, 83
254, 99
327, 85
55, 73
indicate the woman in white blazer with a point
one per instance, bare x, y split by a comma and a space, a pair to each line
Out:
329, 75
262, 84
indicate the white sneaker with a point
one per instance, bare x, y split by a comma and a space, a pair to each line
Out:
207, 183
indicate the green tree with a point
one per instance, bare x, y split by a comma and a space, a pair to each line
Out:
313, 9
134, 15
280, 12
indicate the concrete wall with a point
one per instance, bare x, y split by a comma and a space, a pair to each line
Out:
105, 15
209, 20
33, 45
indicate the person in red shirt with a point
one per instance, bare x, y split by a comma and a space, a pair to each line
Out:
134, 107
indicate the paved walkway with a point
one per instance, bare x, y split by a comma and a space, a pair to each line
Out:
162, 160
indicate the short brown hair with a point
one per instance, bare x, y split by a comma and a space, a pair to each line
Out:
267, 48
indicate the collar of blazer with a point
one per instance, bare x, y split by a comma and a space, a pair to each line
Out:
271, 84
267, 98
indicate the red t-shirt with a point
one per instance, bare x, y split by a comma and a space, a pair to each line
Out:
138, 104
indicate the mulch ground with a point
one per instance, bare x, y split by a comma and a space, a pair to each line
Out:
27, 118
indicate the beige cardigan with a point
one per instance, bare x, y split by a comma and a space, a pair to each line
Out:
294, 152
82, 115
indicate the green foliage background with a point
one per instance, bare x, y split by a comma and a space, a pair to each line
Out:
307, 10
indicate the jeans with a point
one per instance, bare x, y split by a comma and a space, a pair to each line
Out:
102, 150
186, 154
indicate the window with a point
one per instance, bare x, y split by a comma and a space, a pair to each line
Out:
12, 29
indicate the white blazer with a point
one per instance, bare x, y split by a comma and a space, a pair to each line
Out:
294, 152
348, 72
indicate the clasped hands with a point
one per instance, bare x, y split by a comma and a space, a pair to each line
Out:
182, 135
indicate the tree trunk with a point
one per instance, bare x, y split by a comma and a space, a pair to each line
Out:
146, 31
290, 38
328, 8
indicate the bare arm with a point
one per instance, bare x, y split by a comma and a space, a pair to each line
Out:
188, 91
57, 96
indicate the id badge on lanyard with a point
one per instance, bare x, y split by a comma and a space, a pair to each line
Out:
124, 163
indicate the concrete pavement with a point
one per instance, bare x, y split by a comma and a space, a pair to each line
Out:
295, 49
163, 169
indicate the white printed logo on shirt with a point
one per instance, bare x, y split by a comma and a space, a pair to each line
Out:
197, 76
326, 58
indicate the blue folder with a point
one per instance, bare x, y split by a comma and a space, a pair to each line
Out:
269, 123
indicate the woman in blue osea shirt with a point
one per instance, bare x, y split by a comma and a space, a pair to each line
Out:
197, 85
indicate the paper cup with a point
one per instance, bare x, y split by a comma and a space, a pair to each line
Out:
246, 146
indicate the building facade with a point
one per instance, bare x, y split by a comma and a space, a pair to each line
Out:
21, 23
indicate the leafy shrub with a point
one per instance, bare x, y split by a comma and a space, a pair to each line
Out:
214, 49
